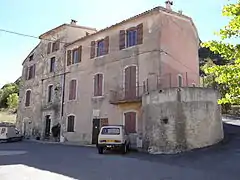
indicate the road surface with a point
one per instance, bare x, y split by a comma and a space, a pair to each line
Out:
34, 161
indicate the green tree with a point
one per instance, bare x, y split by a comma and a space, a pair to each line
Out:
12, 101
228, 75
6, 91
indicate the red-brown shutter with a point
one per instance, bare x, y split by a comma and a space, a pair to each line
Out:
130, 122
95, 85
79, 53
106, 45
140, 33
93, 48
49, 48
100, 84
69, 57
122, 39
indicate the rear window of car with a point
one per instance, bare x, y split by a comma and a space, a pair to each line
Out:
111, 131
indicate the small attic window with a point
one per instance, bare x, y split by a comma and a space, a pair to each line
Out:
31, 57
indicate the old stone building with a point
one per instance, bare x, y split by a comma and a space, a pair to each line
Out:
108, 72
42, 80
82, 79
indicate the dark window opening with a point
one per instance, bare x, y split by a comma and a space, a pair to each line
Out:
50, 93
52, 64
31, 58
28, 98
98, 85
70, 123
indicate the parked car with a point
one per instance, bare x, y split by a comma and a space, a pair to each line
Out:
10, 133
113, 137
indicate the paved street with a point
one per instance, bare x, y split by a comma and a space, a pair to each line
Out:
25, 160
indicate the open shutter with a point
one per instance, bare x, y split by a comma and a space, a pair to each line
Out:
122, 39
69, 57
79, 53
49, 48
57, 46
106, 45
92, 52
26, 73
140, 33
100, 84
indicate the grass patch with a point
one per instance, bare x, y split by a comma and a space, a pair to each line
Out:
7, 117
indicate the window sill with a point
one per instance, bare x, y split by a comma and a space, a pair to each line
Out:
101, 56
72, 100
98, 97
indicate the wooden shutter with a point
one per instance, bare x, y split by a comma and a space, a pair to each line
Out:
69, 57
127, 82
130, 122
26, 73
74, 89
70, 125
79, 53
34, 70
133, 73
93, 48
57, 45
122, 39
49, 48
140, 33
71, 90
106, 45
95, 85
100, 84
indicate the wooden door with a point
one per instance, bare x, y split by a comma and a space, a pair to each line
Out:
130, 82
130, 119
95, 130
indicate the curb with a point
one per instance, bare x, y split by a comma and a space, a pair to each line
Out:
59, 143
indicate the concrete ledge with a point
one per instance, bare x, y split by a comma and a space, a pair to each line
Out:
60, 143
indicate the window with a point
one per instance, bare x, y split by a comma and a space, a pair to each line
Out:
75, 56
70, 123
180, 80
100, 48
27, 98
111, 131
30, 72
131, 37
130, 120
72, 89
31, 57
50, 93
52, 64
55, 46
98, 85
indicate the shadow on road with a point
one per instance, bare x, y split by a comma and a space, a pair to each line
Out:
71, 161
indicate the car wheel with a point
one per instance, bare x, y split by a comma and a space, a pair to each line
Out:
128, 146
124, 149
100, 150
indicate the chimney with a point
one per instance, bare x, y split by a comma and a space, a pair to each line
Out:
169, 4
73, 22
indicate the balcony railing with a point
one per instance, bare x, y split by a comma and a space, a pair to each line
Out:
123, 95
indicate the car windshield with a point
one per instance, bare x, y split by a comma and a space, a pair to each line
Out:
111, 130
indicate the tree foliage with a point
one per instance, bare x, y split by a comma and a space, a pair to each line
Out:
12, 101
228, 75
5, 92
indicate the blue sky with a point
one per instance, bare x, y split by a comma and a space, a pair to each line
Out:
36, 17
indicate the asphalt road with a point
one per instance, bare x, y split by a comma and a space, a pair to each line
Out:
25, 160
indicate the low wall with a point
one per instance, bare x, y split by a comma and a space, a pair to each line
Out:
181, 119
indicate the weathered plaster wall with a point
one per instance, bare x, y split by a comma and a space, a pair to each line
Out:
177, 120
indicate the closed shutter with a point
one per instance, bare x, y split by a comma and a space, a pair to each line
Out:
122, 39
127, 82
72, 89
79, 53
130, 122
106, 45
69, 57
49, 48
70, 125
95, 85
140, 33
57, 46
93, 48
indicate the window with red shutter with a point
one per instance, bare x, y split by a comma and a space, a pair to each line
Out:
130, 121
72, 89
98, 85
106, 45
27, 98
140, 33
